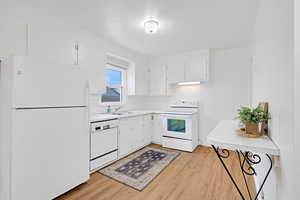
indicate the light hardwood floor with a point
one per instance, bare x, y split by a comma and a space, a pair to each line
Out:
192, 176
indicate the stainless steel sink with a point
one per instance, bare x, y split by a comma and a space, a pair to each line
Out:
121, 113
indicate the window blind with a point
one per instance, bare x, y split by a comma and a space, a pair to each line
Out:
118, 62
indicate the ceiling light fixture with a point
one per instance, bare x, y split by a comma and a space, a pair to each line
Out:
189, 83
151, 26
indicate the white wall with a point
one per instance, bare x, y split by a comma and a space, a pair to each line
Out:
228, 88
273, 82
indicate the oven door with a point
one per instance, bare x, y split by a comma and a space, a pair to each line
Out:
177, 126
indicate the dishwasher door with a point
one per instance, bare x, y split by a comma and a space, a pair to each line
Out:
103, 142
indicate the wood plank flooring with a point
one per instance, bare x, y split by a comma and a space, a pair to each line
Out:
192, 176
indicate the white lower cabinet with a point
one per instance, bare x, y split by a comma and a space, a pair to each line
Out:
137, 132
147, 129
157, 129
130, 135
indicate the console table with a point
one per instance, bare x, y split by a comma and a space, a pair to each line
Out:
225, 137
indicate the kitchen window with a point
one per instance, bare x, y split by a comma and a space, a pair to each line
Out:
115, 81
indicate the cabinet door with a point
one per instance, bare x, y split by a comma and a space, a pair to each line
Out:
125, 137
158, 82
58, 47
95, 62
52, 43
13, 38
175, 69
196, 66
131, 135
137, 132
140, 84
157, 129
147, 129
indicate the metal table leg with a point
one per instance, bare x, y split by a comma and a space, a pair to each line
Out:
247, 161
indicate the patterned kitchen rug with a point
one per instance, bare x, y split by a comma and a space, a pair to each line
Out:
140, 168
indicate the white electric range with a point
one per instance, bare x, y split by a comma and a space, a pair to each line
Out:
181, 125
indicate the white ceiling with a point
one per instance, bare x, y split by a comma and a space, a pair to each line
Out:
184, 24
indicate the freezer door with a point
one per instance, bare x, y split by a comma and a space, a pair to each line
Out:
47, 85
50, 152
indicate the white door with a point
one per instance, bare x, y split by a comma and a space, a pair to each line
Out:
50, 152
47, 85
177, 126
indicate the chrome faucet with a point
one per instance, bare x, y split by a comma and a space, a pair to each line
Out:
118, 108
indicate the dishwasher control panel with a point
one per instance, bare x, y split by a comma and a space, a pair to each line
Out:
104, 125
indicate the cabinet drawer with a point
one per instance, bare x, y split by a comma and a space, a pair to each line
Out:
103, 142
173, 143
103, 161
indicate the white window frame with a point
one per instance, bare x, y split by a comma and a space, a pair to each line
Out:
123, 85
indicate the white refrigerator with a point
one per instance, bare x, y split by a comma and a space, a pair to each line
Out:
44, 129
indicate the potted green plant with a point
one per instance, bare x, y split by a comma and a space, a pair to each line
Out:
252, 117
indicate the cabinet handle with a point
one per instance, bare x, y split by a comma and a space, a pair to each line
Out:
76, 47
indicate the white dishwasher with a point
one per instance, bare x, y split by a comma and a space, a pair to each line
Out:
104, 143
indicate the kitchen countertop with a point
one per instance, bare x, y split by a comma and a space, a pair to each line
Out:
131, 113
225, 136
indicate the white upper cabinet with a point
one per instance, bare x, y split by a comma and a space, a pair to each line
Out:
13, 39
188, 67
169, 70
175, 66
158, 79
51, 43
59, 47
138, 80
93, 57
196, 66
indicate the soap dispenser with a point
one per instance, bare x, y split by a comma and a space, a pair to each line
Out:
108, 109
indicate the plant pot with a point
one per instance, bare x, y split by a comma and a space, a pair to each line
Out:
252, 128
